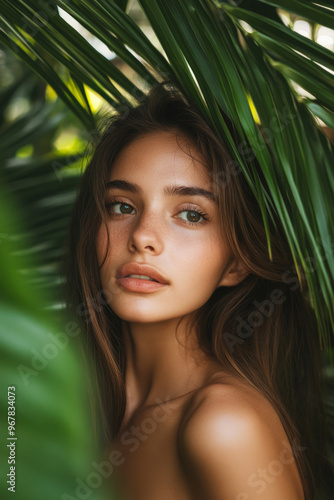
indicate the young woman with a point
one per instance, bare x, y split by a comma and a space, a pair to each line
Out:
206, 351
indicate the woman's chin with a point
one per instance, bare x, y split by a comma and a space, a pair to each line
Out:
148, 315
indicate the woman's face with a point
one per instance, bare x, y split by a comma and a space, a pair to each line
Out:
167, 254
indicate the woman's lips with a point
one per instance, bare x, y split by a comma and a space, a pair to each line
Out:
139, 284
142, 278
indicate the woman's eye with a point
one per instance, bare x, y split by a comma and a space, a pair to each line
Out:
121, 208
191, 216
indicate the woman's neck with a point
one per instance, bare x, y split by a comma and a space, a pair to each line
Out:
163, 362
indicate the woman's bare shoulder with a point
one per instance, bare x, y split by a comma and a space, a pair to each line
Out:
231, 435
226, 395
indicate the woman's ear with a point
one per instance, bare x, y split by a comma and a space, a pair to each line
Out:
235, 273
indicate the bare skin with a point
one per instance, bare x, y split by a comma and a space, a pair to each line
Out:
157, 443
190, 431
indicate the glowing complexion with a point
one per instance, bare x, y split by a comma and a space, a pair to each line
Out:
162, 215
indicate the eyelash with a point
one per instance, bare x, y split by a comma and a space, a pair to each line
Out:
188, 208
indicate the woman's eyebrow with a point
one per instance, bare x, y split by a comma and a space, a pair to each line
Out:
189, 191
124, 186
169, 190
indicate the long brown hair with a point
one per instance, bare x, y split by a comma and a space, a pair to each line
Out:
263, 330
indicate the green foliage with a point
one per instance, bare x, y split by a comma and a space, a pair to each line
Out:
42, 182
47, 440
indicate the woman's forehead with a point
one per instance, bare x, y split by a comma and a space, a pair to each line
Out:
161, 157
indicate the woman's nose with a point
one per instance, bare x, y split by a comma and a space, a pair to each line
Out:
146, 234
